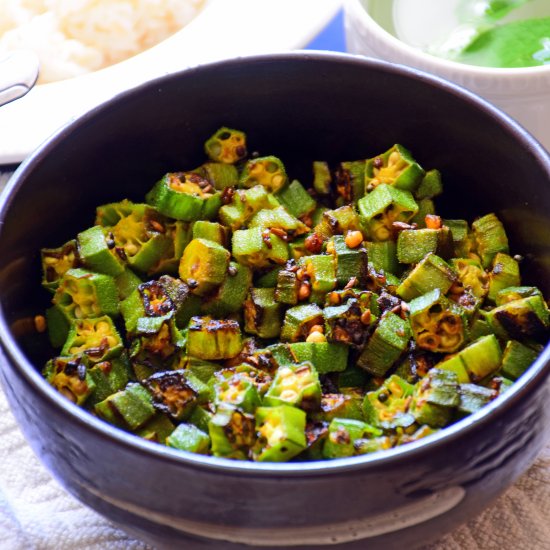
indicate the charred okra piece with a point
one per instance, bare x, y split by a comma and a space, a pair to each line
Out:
515, 293
348, 323
187, 437
213, 339
414, 244
97, 338
435, 397
385, 346
259, 247
56, 262
176, 393
204, 265
430, 186
438, 324
504, 274
384, 206
185, 196
429, 274
350, 180
82, 294
281, 433
231, 294
226, 145
262, 314
296, 385
343, 434
520, 319
70, 376
321, 177
490, 238
296, 199
517, 358
97, 249
232, 432
387, 407
395, 167
299, 320
130, 408
340, 405
350, 261
287, 287
338, 222
266, 171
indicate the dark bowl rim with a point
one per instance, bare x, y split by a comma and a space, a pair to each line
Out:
535, 376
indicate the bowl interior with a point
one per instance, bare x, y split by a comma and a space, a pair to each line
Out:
300, 107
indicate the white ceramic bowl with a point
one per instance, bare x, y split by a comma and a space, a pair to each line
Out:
522, 93
223, 29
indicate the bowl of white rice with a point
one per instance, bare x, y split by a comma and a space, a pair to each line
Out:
91, 50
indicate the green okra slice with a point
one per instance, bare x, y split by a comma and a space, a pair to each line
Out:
349, 177
260, 378
204, 265
515, 293
321, 271
231, 294
383, 256
130, 408
348, 323
257, 247
287, 287
296, 199
520, 319
299, 320
414, 244
352, 377
474, 397
455, 364
211, 231
437, 324
482, 357
296, 385
109, 377
232, 432
387, 407
430, 273
322, 178
419, 433
157, 429
268, 279
471, 279
316, 434
349, 262
98, 252
180, 235
58, 323
340, 405
278, 218
430, 186
395, 167
262, 313
385, 346
97, 338
517, 358
426, 207
187, 437
213, 339
384, 206
226, 145
200, 417
56, 262
343, 433
185, 196
462, 237
231, 387
126, 283
324, 356
504, 274
490, 238
337, 222
176, 393
83, 294
375, 444
266, 171
70, 376
281, 433
219, 174
435, 397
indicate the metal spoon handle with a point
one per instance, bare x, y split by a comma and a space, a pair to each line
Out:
18, 74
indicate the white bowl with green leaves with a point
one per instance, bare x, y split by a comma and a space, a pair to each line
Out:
499, 49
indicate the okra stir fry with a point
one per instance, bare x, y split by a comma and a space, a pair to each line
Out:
239, 314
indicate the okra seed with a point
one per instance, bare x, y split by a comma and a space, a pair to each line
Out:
394, 158
317, 328
316, 338
354, 239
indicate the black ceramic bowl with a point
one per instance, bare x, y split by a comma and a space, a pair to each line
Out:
300, 107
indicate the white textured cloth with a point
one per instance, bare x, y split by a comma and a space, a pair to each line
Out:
37, 514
